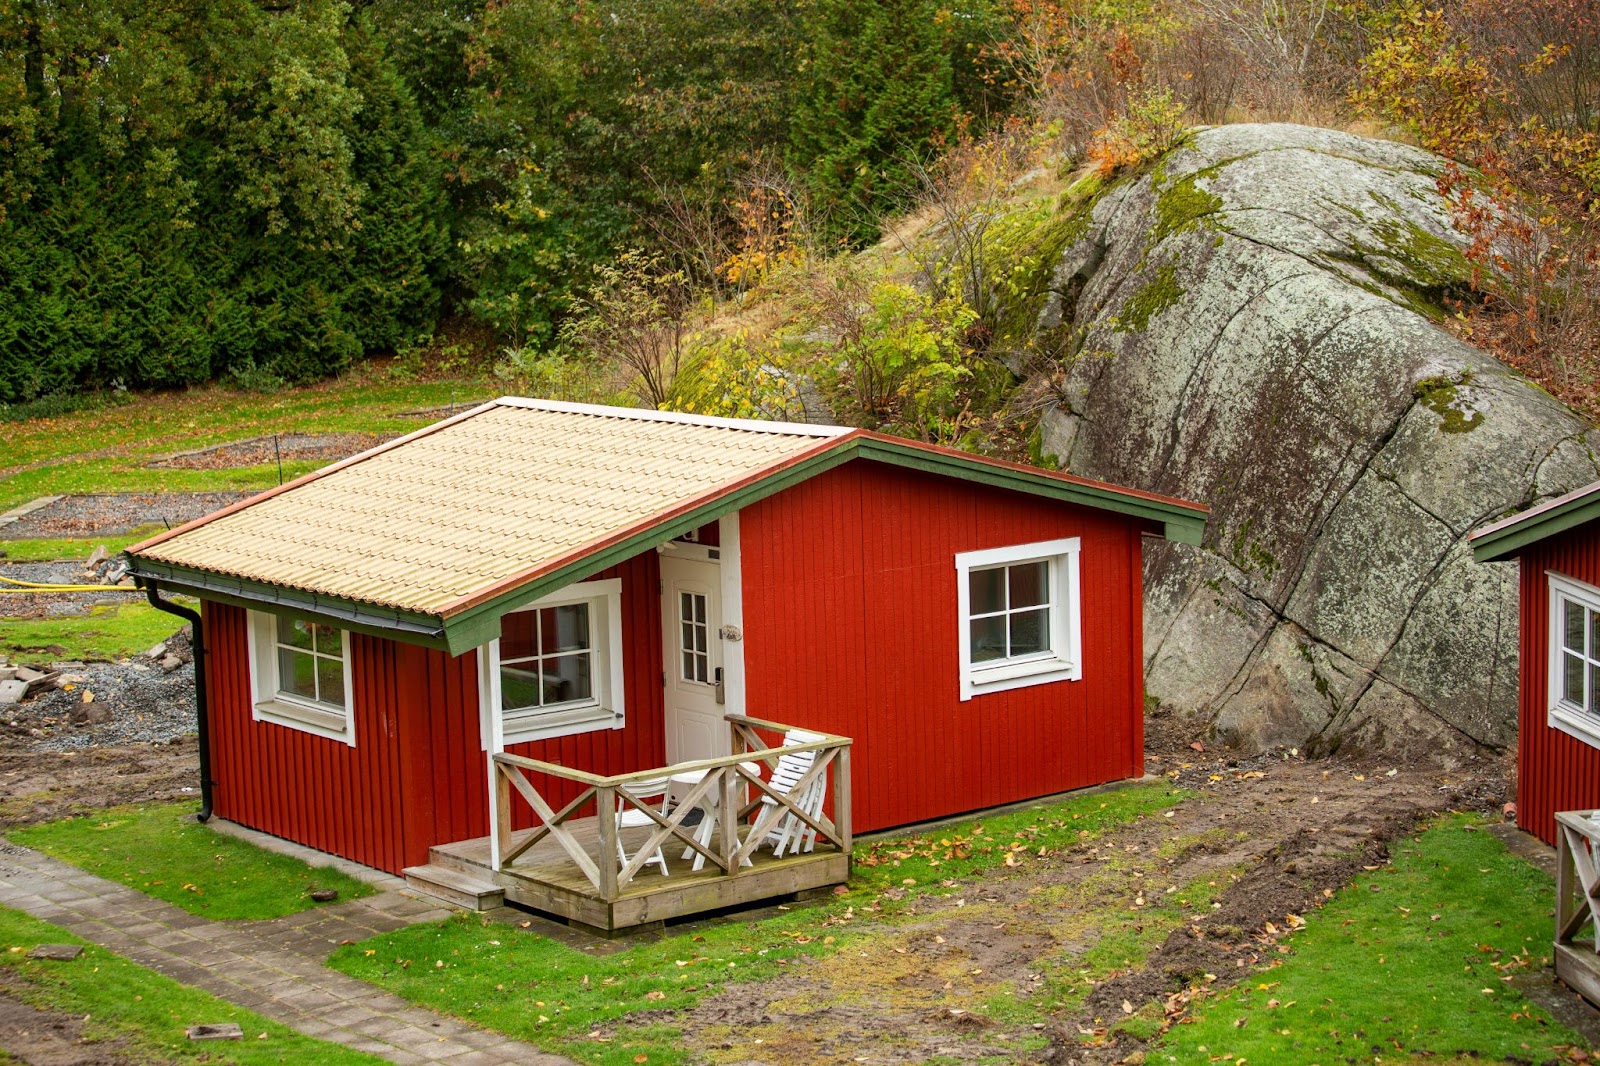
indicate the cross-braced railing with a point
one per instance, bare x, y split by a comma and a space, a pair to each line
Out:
1577, 875
728, 791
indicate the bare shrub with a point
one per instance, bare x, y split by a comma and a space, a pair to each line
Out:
636, 315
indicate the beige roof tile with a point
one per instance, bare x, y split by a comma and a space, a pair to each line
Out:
456, 509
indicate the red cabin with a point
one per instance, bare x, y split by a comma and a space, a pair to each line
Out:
1558, 727
599, 658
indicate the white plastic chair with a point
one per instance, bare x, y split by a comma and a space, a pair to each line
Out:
631, 817
791, 831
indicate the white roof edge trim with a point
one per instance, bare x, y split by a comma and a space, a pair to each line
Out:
642, 414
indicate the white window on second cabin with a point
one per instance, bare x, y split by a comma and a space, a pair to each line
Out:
557, 667
1575, 658
1019, 616
300, 675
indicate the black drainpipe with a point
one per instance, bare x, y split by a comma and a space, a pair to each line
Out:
202, 720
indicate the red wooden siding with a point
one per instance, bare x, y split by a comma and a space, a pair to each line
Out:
850, 626
417, 775
1555, 771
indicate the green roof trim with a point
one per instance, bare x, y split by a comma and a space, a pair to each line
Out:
1506, 539
478, 623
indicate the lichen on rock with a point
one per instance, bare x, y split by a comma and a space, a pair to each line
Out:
1266, 300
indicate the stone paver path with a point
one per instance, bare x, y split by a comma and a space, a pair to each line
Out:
272, 967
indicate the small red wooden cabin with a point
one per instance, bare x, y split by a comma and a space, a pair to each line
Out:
596, 587
1558, 727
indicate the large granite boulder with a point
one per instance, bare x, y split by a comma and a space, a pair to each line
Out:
1254, 325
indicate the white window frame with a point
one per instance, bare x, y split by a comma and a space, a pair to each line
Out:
268, 703
1565, 715
1064, 660
605, 709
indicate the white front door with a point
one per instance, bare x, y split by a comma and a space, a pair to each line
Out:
691, 618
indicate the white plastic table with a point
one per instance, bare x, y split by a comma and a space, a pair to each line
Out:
709, 805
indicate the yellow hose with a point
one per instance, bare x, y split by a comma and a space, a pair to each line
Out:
43, 588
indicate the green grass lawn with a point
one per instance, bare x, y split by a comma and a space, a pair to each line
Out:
611, 1009
143, 1010
106, 633
160, 850
1415, 959
106, 449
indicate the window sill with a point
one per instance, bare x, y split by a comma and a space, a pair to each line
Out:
1575, 723
565, 723
306, 719
1018, 675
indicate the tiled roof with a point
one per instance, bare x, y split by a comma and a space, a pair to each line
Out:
443, 514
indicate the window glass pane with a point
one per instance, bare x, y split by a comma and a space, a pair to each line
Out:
688, 666
1594, 687
700, 609
330, 681
297, 673
295, 632
685, 607
1030, 632
564, 628
328, 639
1574, 617
687, 644
1574, 679
519, 686
988, 639
1594, 635
986, 590
1030, 584
517, 635
566, 677
700, 638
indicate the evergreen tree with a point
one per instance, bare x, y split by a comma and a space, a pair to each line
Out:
877, 95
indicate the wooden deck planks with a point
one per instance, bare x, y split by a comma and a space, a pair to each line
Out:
546, 879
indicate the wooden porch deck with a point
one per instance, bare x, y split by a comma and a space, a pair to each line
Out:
546, 879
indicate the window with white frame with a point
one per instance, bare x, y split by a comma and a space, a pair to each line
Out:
557, 667
1018, 610
300, 674
1575, 658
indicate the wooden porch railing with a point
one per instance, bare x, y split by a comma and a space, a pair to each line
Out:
737, 791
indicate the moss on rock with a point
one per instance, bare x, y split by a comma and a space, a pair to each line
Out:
1441, 396
1159, 293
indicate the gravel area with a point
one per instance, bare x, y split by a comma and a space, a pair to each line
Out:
106, 704
57, 605
98, 514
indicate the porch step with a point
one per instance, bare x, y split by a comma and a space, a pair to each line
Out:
459, 888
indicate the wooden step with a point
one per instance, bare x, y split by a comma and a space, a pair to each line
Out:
461, 889
470, 857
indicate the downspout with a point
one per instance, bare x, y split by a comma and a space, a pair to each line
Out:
202, 718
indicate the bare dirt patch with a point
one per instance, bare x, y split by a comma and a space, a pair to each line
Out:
259, 451
42, 786
1028, 964
49, 1038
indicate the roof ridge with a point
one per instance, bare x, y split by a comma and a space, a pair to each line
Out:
646, 414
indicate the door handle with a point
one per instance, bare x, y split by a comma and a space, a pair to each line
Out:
717, 681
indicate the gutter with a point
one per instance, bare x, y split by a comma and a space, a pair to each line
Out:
202, 717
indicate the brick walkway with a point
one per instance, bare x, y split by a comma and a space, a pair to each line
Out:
272, 967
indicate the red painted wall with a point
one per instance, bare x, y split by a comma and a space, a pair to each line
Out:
1555, 771
417, 775
851, 627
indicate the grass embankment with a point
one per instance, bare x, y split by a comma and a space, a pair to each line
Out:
612, 1009
140, 1013
109, 449
160, 850
105, 633
1415, 959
